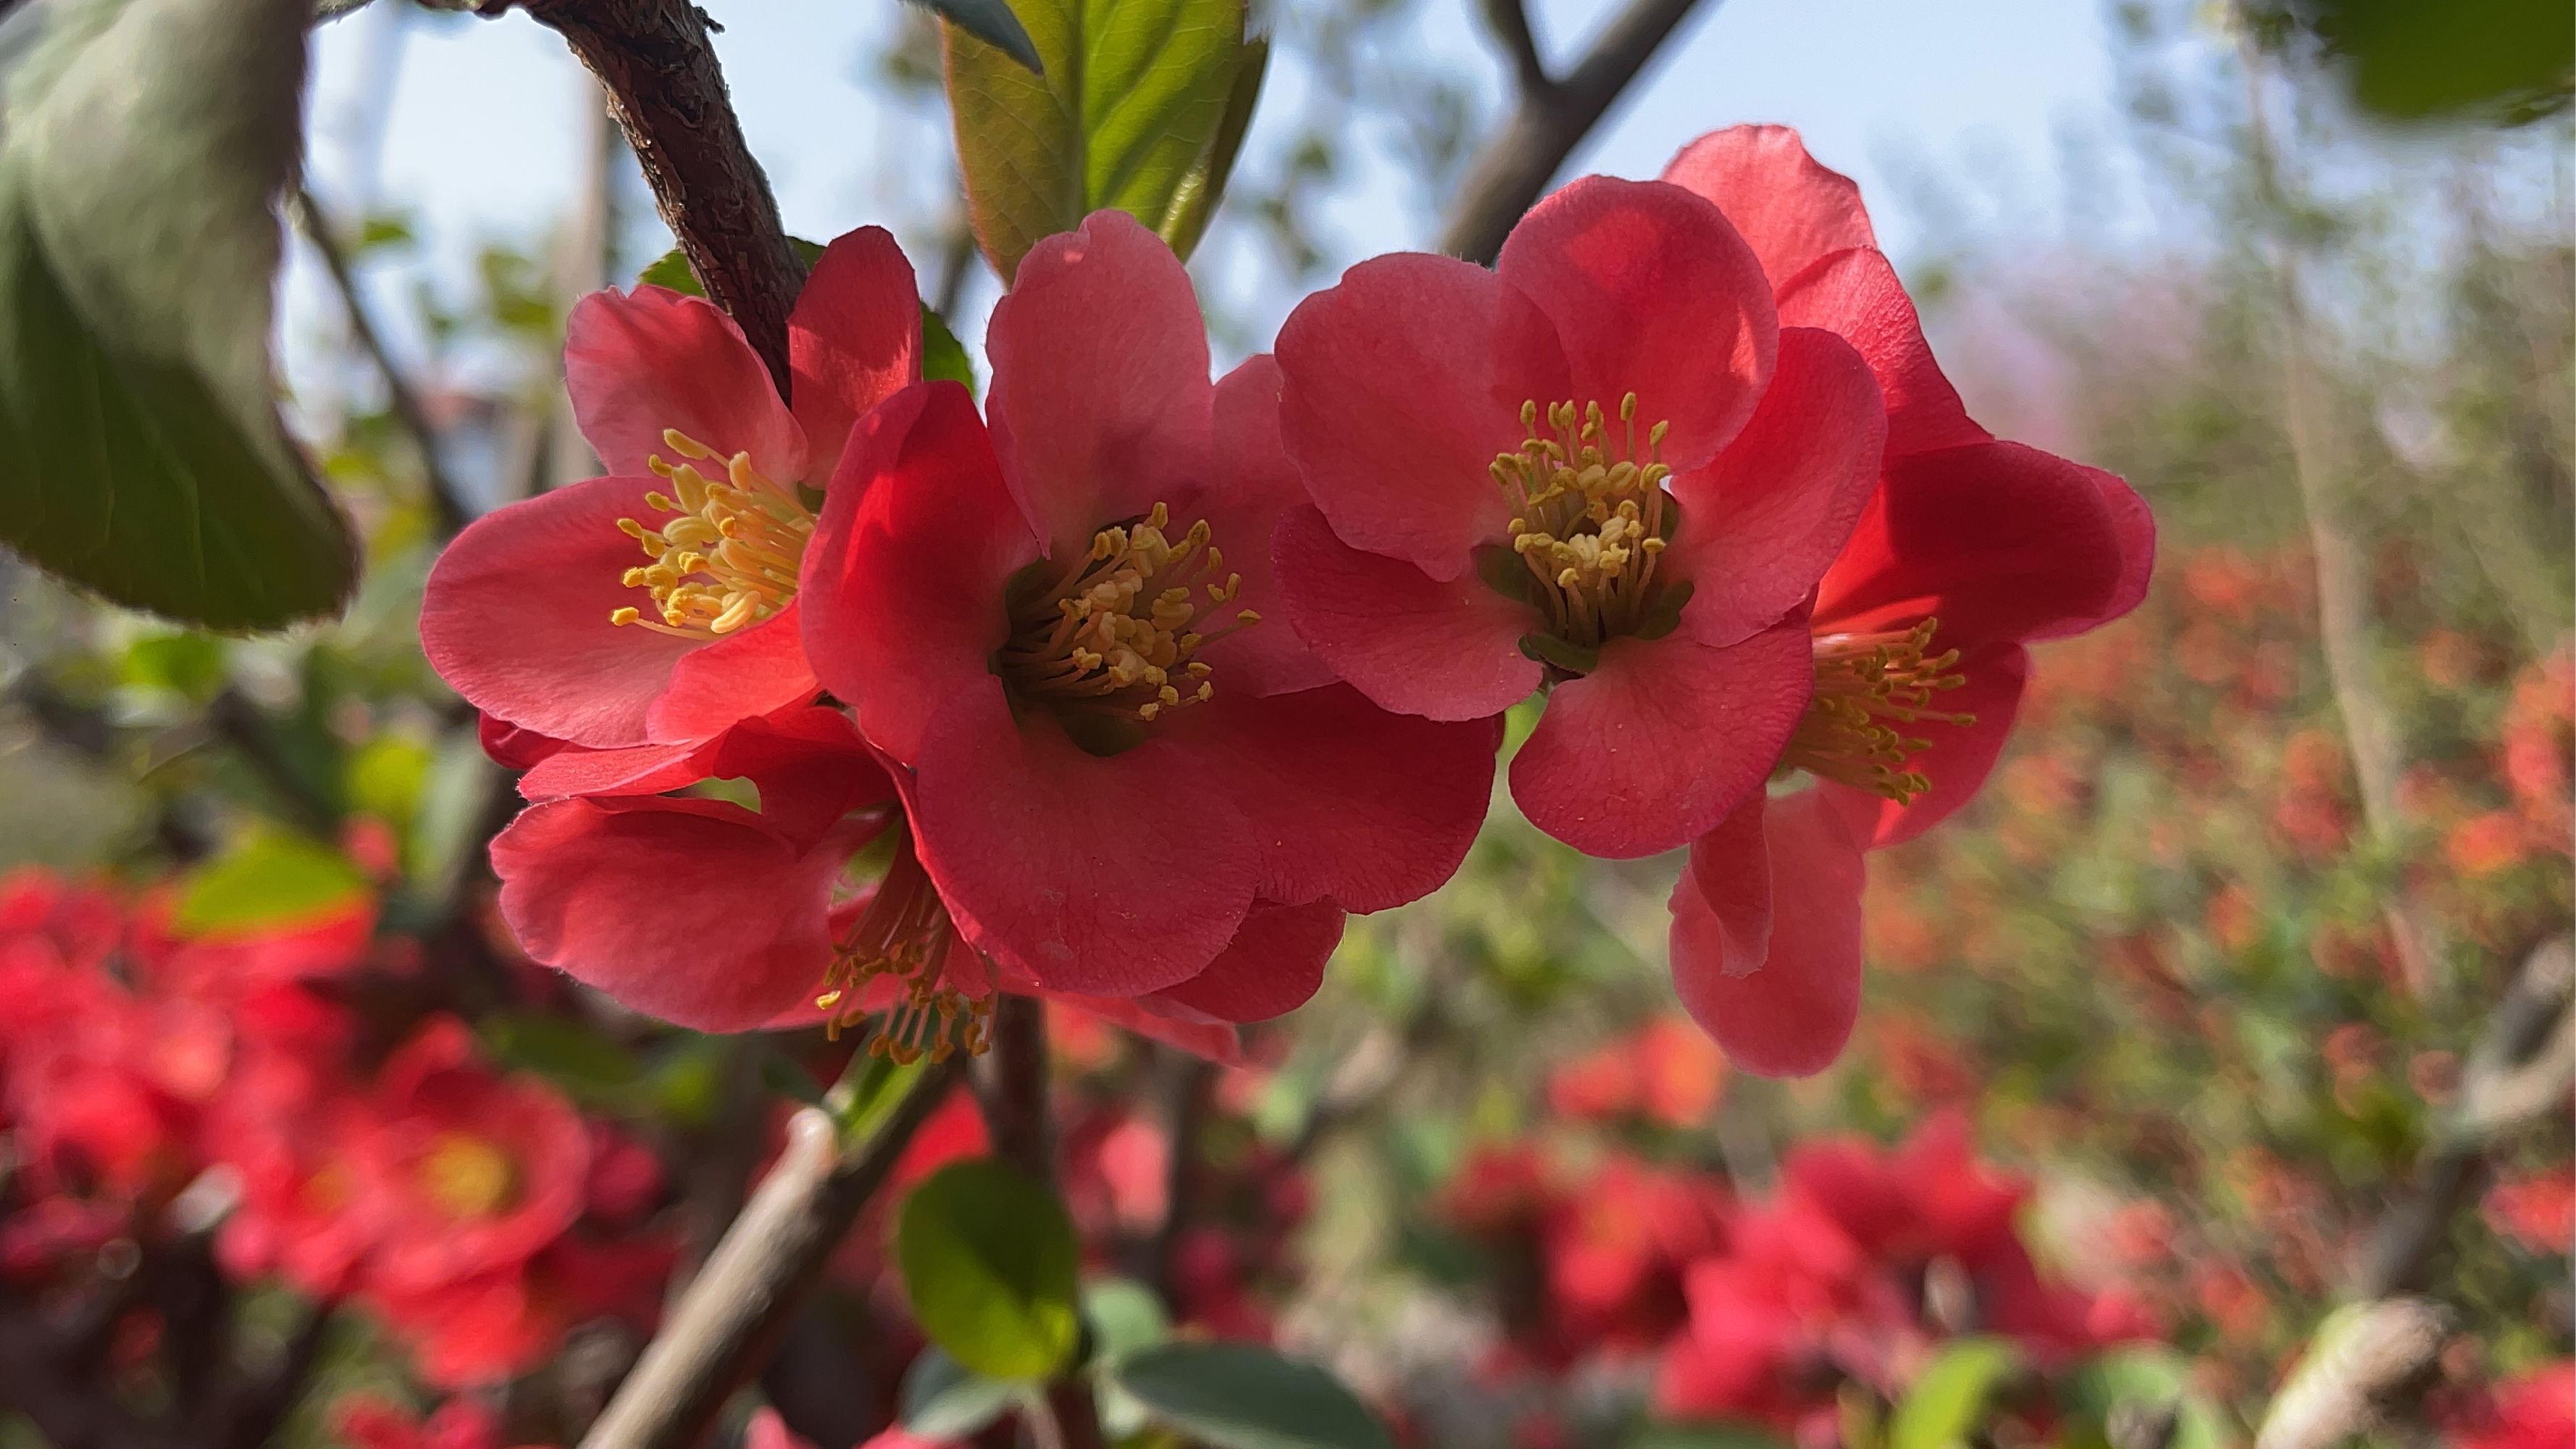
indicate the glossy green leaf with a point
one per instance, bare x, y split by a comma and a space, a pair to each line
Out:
945, 1401
1124, 1315
991, 22
1133, 98
1240, 1396
988, 1259
142, 145
267, 880
1204, 187
1947, 1401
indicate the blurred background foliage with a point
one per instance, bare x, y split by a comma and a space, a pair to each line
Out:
2213, 961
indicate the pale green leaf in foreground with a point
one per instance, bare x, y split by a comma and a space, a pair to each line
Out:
142, 145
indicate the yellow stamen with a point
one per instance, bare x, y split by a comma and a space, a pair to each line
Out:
1867, 685
729, 560
1589, 519
905, 933
1106, 639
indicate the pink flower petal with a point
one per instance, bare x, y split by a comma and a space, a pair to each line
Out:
1347, 801
1109, 876
1730, 867
1443, 650
1402, 385
1270, 968
1998, 541
1652, 293
905, 576
1100, 400
749, 672
639, 363
1761, 523
1660, 743
635, 770
1790, 209
1960, 756
1791, 1016
515, 616
687, 909
854, 338
1856, 295
1255, 484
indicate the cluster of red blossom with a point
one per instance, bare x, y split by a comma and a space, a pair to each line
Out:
1853, 1272
1135, 684
154, 1086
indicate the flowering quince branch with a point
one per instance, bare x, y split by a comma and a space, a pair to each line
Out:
1552, 118
1014, 1098
669, 96
742, 1301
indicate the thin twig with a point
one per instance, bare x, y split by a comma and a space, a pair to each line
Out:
1551, 120
1511, 22
444, 499
669, 95
1014, 1098
725, 1327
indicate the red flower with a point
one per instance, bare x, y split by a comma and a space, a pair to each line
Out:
1119, 779
700, 911
1603, 467
545, 614
1969, 549
365, 1421
2536, 1410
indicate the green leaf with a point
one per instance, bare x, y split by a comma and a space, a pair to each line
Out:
142, 147
2150, 1379
1947, 1401
945, 1401
386, 778
585, 1064
988, 1259
188, 665
1240, 1396
991, 22
1130, 106
942, 355
1200, 191
1124, 1315
267, 880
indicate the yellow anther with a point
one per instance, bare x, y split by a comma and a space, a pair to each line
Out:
1106, 638
1588, 521
1866, 686
730, 559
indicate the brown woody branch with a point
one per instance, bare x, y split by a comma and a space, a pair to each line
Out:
740, 1304
1014, 1098
1552, 119
668, 93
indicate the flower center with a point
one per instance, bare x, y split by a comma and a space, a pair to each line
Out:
466, 1176
1866, 686
1110, 643
1590, 519
729, 560
906, 937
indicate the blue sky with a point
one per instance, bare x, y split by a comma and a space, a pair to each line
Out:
479, 120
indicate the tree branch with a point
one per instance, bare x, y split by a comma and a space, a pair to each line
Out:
444, 500
741, 1302
1014, 1099
668, 93
1515, 166
1510, 19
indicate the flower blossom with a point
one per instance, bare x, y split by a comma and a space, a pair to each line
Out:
657, 605
1970, 549
1604, 468
1121, 777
